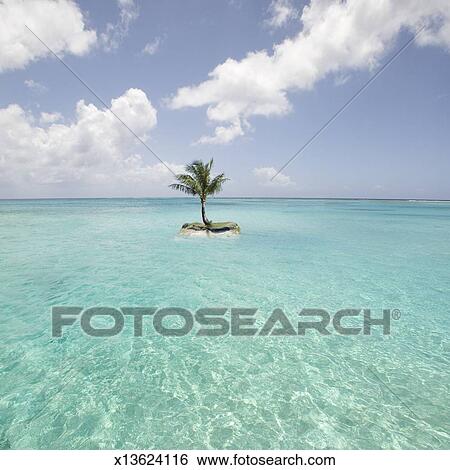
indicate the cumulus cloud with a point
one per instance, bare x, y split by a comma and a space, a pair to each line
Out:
50, 118
280, 12
264, 176
94, 148
115, 33
35, 86
224, 134
337, 37
151, 48
59, 23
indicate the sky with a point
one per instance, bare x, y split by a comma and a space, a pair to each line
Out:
246, 82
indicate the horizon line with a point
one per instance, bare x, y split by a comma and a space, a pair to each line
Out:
411, 199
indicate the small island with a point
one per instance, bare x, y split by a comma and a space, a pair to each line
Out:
197, 181
217, 227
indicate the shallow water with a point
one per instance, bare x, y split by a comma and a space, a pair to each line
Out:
377, 391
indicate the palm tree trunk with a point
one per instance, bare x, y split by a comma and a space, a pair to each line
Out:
205, 219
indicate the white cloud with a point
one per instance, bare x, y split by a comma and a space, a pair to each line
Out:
337, 37
151, 48
35, 86
224, 135
116, 33
94, 148
50, 118
281, 11
59, 23
265, 175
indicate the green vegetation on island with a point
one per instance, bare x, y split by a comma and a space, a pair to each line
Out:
197, 181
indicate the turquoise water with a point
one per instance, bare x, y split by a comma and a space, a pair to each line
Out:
349, 392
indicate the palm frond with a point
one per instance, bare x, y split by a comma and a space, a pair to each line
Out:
190, 181
183, 188
201, 173
215, 186
197, 180
192, 168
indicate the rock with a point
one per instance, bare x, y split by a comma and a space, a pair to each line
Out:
216, 227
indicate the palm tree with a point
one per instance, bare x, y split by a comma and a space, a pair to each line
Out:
197, 182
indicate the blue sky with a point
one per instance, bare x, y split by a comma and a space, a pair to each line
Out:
392, 142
